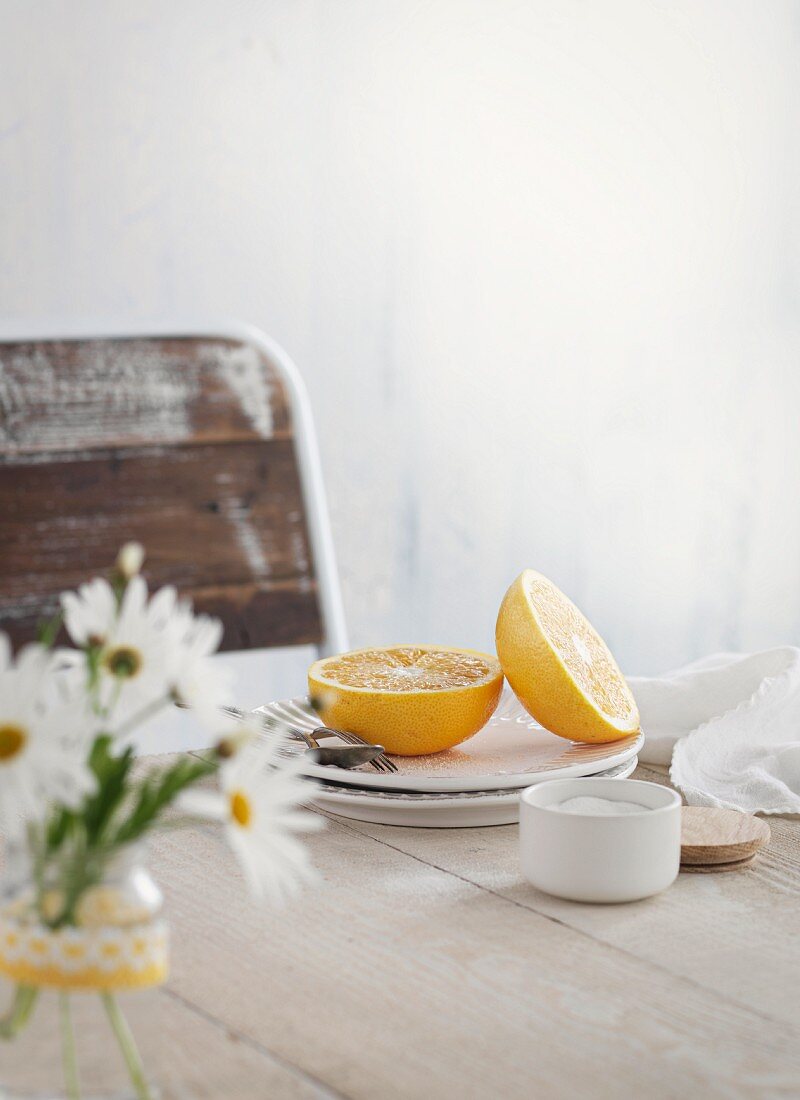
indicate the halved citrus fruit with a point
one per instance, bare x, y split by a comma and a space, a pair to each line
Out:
413, 700
559, 667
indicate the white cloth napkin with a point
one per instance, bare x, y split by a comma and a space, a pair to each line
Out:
731, 725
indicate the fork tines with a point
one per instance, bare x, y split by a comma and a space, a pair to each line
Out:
291, 714
381, 763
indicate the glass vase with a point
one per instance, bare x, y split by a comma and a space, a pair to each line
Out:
79, 1007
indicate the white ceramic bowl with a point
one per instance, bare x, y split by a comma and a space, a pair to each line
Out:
600, 857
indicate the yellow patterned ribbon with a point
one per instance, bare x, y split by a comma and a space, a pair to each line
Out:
116, 958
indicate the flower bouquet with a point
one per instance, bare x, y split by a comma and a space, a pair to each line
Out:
78, 910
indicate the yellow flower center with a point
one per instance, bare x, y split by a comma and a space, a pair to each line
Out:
241, 810
12, 741
122, 661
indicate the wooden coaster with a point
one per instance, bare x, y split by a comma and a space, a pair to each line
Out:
716, 868
720, 839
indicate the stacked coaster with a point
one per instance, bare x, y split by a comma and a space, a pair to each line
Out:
714, 840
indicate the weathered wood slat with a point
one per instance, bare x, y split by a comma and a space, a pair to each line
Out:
422, 965
183, 444
270, 614
736, 937
201, 1059
207, 515
189, 1055
81, 394
415, 981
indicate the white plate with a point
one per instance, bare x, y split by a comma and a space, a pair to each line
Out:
467, 809
510, 751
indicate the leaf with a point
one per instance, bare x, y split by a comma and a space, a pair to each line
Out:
58, 827
157, 791
112, 774
47, 631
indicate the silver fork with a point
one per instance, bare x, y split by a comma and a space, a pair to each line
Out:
381, 763
292, 715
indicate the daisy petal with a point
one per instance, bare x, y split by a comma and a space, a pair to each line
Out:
207, 804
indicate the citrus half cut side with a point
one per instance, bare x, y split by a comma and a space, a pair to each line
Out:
413, 700
559, 667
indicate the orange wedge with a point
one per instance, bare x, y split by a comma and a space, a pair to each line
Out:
413, 700
559, 667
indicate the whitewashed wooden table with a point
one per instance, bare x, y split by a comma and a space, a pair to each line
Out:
424, 966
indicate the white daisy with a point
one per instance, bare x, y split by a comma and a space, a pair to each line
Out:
130, 560
44, 740
259, 806
133, 641
90, 613
196, 680
147, 651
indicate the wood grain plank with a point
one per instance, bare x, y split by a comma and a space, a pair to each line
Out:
418, 982
734, 935
281, 614
218, 515
203, 1060
82, 394
183, 444
226, 524
187, 1054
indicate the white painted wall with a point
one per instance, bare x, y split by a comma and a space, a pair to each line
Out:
537, 260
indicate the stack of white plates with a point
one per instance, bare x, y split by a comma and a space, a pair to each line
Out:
476, 783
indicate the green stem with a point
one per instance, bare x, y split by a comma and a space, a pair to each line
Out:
68, 1048
146, 712
78, 873
127, 1045
20, 1012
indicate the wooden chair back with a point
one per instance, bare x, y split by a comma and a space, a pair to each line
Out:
189, 444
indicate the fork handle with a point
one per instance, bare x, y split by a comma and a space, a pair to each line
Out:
309, 738
293, 731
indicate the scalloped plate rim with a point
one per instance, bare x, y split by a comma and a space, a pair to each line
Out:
426, 810
489, 781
